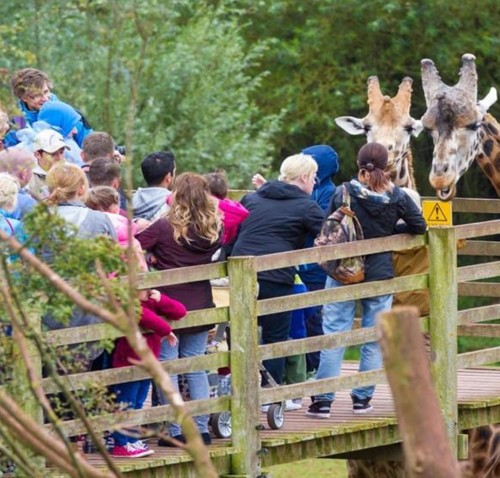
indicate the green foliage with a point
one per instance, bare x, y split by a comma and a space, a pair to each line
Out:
180, 68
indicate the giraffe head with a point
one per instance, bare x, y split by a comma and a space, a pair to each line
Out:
453, 118
388, 121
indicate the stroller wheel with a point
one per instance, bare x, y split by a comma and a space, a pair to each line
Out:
275, 417
221, 424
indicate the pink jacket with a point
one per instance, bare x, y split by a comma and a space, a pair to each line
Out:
169, 308
233, 215
120, 223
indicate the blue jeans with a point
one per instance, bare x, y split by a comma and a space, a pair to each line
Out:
189, 345
133, 394
339, 317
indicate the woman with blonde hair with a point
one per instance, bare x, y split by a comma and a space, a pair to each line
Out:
9, 187
188, 235
68, 186
282, 214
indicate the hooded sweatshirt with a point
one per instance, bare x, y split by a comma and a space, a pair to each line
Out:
150, 203
328, 165
63, 118
281, 216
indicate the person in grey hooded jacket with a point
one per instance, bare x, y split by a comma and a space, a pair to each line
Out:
158, 170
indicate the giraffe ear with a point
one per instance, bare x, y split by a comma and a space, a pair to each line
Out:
416, 127
351, 125
491, 98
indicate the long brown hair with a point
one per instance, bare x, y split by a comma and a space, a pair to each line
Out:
194, 210
372, 161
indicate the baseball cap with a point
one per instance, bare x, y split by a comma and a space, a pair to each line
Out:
49, 141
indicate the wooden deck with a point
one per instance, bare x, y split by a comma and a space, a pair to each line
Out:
302, 437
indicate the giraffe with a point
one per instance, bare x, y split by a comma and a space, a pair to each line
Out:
461, 128
389, 122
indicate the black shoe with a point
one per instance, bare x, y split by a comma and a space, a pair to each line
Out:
163, 442
207, 439
319, 409
361, 405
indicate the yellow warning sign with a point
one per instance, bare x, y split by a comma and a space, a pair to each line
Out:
437, 213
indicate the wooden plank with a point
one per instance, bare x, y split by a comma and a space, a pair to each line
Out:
478, 229
478, 357
355, 291
478, 271
330, 341
479, 314
483, 330
488, 206
88, 333
182, 275
480, 248
338, 251
134, 373
479, 289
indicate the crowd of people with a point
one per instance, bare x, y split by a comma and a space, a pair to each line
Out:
187, 219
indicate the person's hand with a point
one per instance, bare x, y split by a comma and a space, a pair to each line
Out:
171, 338
141, 224
155, 295
258, 180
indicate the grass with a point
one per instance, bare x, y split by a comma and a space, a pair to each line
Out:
314, 468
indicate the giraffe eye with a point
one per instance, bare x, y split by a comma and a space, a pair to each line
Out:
409, 129
474, 126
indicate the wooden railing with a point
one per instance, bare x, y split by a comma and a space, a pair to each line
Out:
445, 281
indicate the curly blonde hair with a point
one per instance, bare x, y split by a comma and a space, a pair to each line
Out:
193, 211
9, 187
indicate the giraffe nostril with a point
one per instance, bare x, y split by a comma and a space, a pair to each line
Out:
445, 168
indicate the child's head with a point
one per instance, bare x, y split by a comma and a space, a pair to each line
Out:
104, 172
9, 187
217, 184
66, 182
103, 198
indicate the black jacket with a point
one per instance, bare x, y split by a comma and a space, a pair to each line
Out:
379, 220
281, 216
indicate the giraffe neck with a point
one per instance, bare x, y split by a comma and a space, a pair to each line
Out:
402, 173
488, 150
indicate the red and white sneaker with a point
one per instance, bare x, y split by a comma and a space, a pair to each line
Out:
140, 445
128, 451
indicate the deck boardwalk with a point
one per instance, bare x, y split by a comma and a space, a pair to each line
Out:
302, 437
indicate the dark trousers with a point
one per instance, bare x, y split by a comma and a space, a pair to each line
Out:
314, 325
275, 327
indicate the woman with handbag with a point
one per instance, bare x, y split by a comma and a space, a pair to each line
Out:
378, 205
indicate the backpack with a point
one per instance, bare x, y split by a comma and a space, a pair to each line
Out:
339, 227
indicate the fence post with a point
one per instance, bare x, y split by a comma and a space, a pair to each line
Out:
244, 363
443, 324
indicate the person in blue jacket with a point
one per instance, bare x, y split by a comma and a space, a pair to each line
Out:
33, 90
312, 275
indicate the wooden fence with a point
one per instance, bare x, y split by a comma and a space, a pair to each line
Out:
445, 281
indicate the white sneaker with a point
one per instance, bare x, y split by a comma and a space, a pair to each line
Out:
295, 404
139, 445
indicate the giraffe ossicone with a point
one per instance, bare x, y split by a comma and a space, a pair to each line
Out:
388, 122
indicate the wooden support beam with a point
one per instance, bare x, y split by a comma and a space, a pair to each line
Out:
425, 437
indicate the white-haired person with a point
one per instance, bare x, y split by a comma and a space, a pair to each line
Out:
9, 187
282, 214
19, 162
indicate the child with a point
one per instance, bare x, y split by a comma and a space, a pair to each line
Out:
133, 394
233, 212
107, 200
